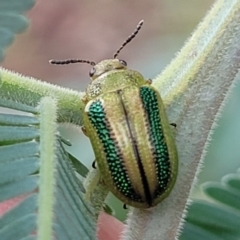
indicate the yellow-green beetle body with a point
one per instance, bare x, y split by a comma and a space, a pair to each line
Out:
128, 128
131, 136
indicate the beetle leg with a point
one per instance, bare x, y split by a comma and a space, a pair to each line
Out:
149, 81
91, 182
173, 124
94, 164
125, 206
84, 131
102, 182
84, 99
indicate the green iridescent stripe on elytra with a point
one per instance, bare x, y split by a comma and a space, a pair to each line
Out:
98, 119
163, 168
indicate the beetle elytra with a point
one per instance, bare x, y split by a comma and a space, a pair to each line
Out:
127, 125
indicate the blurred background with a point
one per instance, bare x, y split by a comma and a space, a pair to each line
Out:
94, 30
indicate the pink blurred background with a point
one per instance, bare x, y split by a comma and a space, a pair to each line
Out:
94, 30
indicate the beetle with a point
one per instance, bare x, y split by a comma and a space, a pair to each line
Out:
127, 125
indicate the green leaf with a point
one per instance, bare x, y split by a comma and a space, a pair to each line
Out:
12, 21
17, 6
26, 207
17, 120
222, 194
18, 151
79, 167
208, 214
192, 231
8, 21
35, 165
14, 230
16, 187
9, 103
9, 170
219, 219
233, 181
17, 134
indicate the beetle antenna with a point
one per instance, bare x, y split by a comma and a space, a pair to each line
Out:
129, 39
68, 61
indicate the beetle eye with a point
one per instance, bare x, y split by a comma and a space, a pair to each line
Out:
92, 71
124, 63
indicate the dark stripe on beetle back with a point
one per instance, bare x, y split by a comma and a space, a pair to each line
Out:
136, 153
98, 119
160, 150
